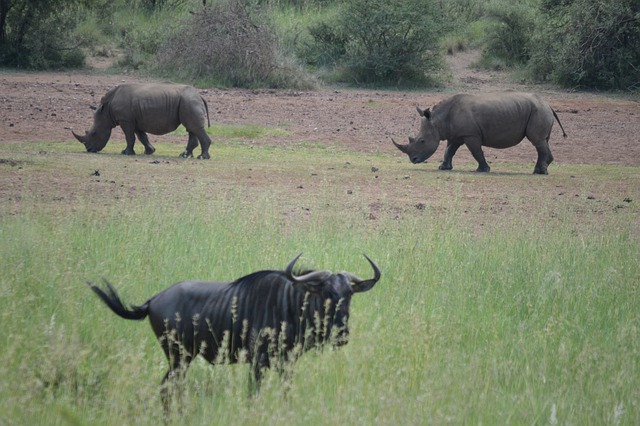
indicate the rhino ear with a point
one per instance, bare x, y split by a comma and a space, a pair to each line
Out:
424, 113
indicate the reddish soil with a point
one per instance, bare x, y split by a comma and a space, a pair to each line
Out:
601, 128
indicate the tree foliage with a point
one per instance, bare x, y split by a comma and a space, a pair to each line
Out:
379, 42
508, 34
39, 33
589, 43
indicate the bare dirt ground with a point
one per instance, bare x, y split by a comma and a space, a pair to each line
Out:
602, 128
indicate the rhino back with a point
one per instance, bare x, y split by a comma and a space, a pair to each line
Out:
156, 108
500, 120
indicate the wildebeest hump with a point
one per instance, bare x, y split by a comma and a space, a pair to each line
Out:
229, 312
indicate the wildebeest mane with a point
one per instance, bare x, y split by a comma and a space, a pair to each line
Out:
260, 275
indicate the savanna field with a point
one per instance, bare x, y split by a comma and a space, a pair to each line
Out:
505, 297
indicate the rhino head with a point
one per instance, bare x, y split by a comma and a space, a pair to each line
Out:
426, 143
97, 137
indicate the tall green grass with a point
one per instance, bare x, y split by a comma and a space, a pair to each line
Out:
525, 321
518, 326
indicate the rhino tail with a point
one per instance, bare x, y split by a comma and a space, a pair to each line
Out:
206, 108
564, 134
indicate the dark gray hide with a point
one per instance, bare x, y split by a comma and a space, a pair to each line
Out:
494, 120
149, 108
265, 315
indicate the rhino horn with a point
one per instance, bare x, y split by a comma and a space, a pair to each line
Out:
82, 139
402, 148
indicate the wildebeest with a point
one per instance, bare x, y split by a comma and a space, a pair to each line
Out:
141, 108
493, 120
261, 318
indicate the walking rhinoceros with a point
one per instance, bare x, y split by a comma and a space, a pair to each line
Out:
493, 120
149, 108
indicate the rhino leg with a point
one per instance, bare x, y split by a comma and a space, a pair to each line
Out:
191, 145
544, 158
130, 136
449, 152
205, 143
148, 148
475, 146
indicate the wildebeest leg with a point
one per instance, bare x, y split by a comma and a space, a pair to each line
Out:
148, 148
191, 145
475, 146
544, 158
258, 365
179, 360
449, 152
130, 135
205, 143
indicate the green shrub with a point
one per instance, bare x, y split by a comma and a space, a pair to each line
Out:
329, 44
229, 43
589, 44
39, 35
508, 34
379, 42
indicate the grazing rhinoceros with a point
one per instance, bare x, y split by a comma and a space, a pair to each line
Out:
149, 108
493, 120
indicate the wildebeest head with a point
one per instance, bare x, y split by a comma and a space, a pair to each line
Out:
97, 137
336, 290
426, 143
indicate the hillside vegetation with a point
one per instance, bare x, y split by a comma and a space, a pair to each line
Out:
298, 43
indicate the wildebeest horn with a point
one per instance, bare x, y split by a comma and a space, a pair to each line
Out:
80, 138
360, 284
402, 148
311, 276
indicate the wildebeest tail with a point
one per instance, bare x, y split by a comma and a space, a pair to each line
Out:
564, 134
110, 297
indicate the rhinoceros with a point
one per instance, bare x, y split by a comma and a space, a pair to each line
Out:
141, 108
493, 120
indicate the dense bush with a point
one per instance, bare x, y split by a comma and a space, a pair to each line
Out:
228, 43
508, 34
38, 34
576, 43
379, 42
589, 43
